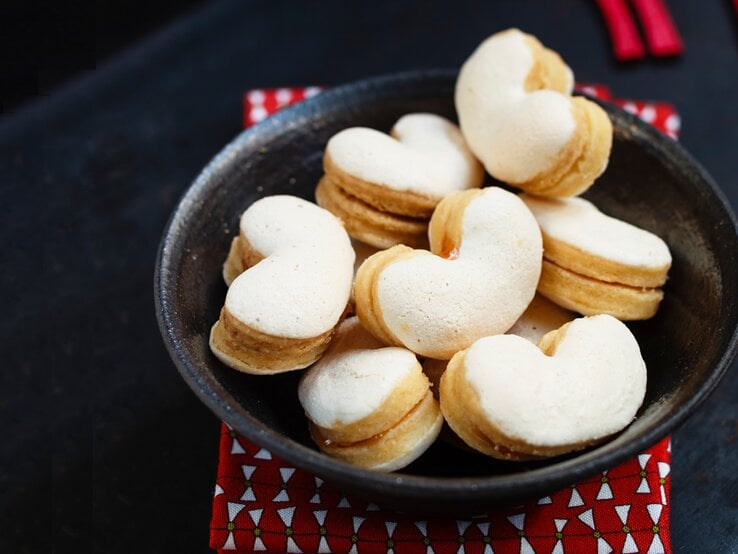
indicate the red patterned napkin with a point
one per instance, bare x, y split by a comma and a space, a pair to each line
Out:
262, 503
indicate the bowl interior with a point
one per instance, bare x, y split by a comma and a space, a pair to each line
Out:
650, 182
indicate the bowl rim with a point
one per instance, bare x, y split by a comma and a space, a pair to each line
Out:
223, 404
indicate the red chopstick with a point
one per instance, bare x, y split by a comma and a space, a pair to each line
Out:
661, 33
626, 41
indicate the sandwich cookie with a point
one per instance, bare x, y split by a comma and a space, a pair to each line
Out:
385, 187
280, 312
516, 112
594, 263
478, 278
511, 400
368, 404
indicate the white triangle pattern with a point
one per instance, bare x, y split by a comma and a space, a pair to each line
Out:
248, 495
286, 473
233, 510
263, 454
603, 547
316, 497
230, 543
560, 524
643, 487
657, 547
353, 550
587, 518
622, 512
664, 470
282, 496
292, 547
372, 507
462, 526
320, 516
343, 503
356, 523
605, 492
461, 549
255, 516
654, 510
423, 527
518, 520
323, 547
630, 107
575, 499
286, 515
236, 447
648, 113
558, 548
630, 546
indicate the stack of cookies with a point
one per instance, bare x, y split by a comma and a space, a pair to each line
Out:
385, 187
467, 311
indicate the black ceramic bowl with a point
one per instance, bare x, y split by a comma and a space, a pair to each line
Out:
651, 181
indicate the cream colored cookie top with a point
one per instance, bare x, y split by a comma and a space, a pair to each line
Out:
430, 302
516, 134
302, 286
427, 155
590, 388
540, 317
579, 223
354, 378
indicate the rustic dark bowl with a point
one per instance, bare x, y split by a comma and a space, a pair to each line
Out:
651, 181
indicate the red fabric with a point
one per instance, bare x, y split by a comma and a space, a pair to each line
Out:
261, 503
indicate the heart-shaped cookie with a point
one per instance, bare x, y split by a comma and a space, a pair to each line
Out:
481, 275
509, 399
368, 404
513, 97
386, 187
594, 263
280, 312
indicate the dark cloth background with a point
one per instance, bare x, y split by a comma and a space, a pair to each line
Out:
104, 447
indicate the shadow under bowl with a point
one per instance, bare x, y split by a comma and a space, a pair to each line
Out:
650, 181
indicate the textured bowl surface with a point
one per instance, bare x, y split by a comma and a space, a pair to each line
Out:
651, 181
